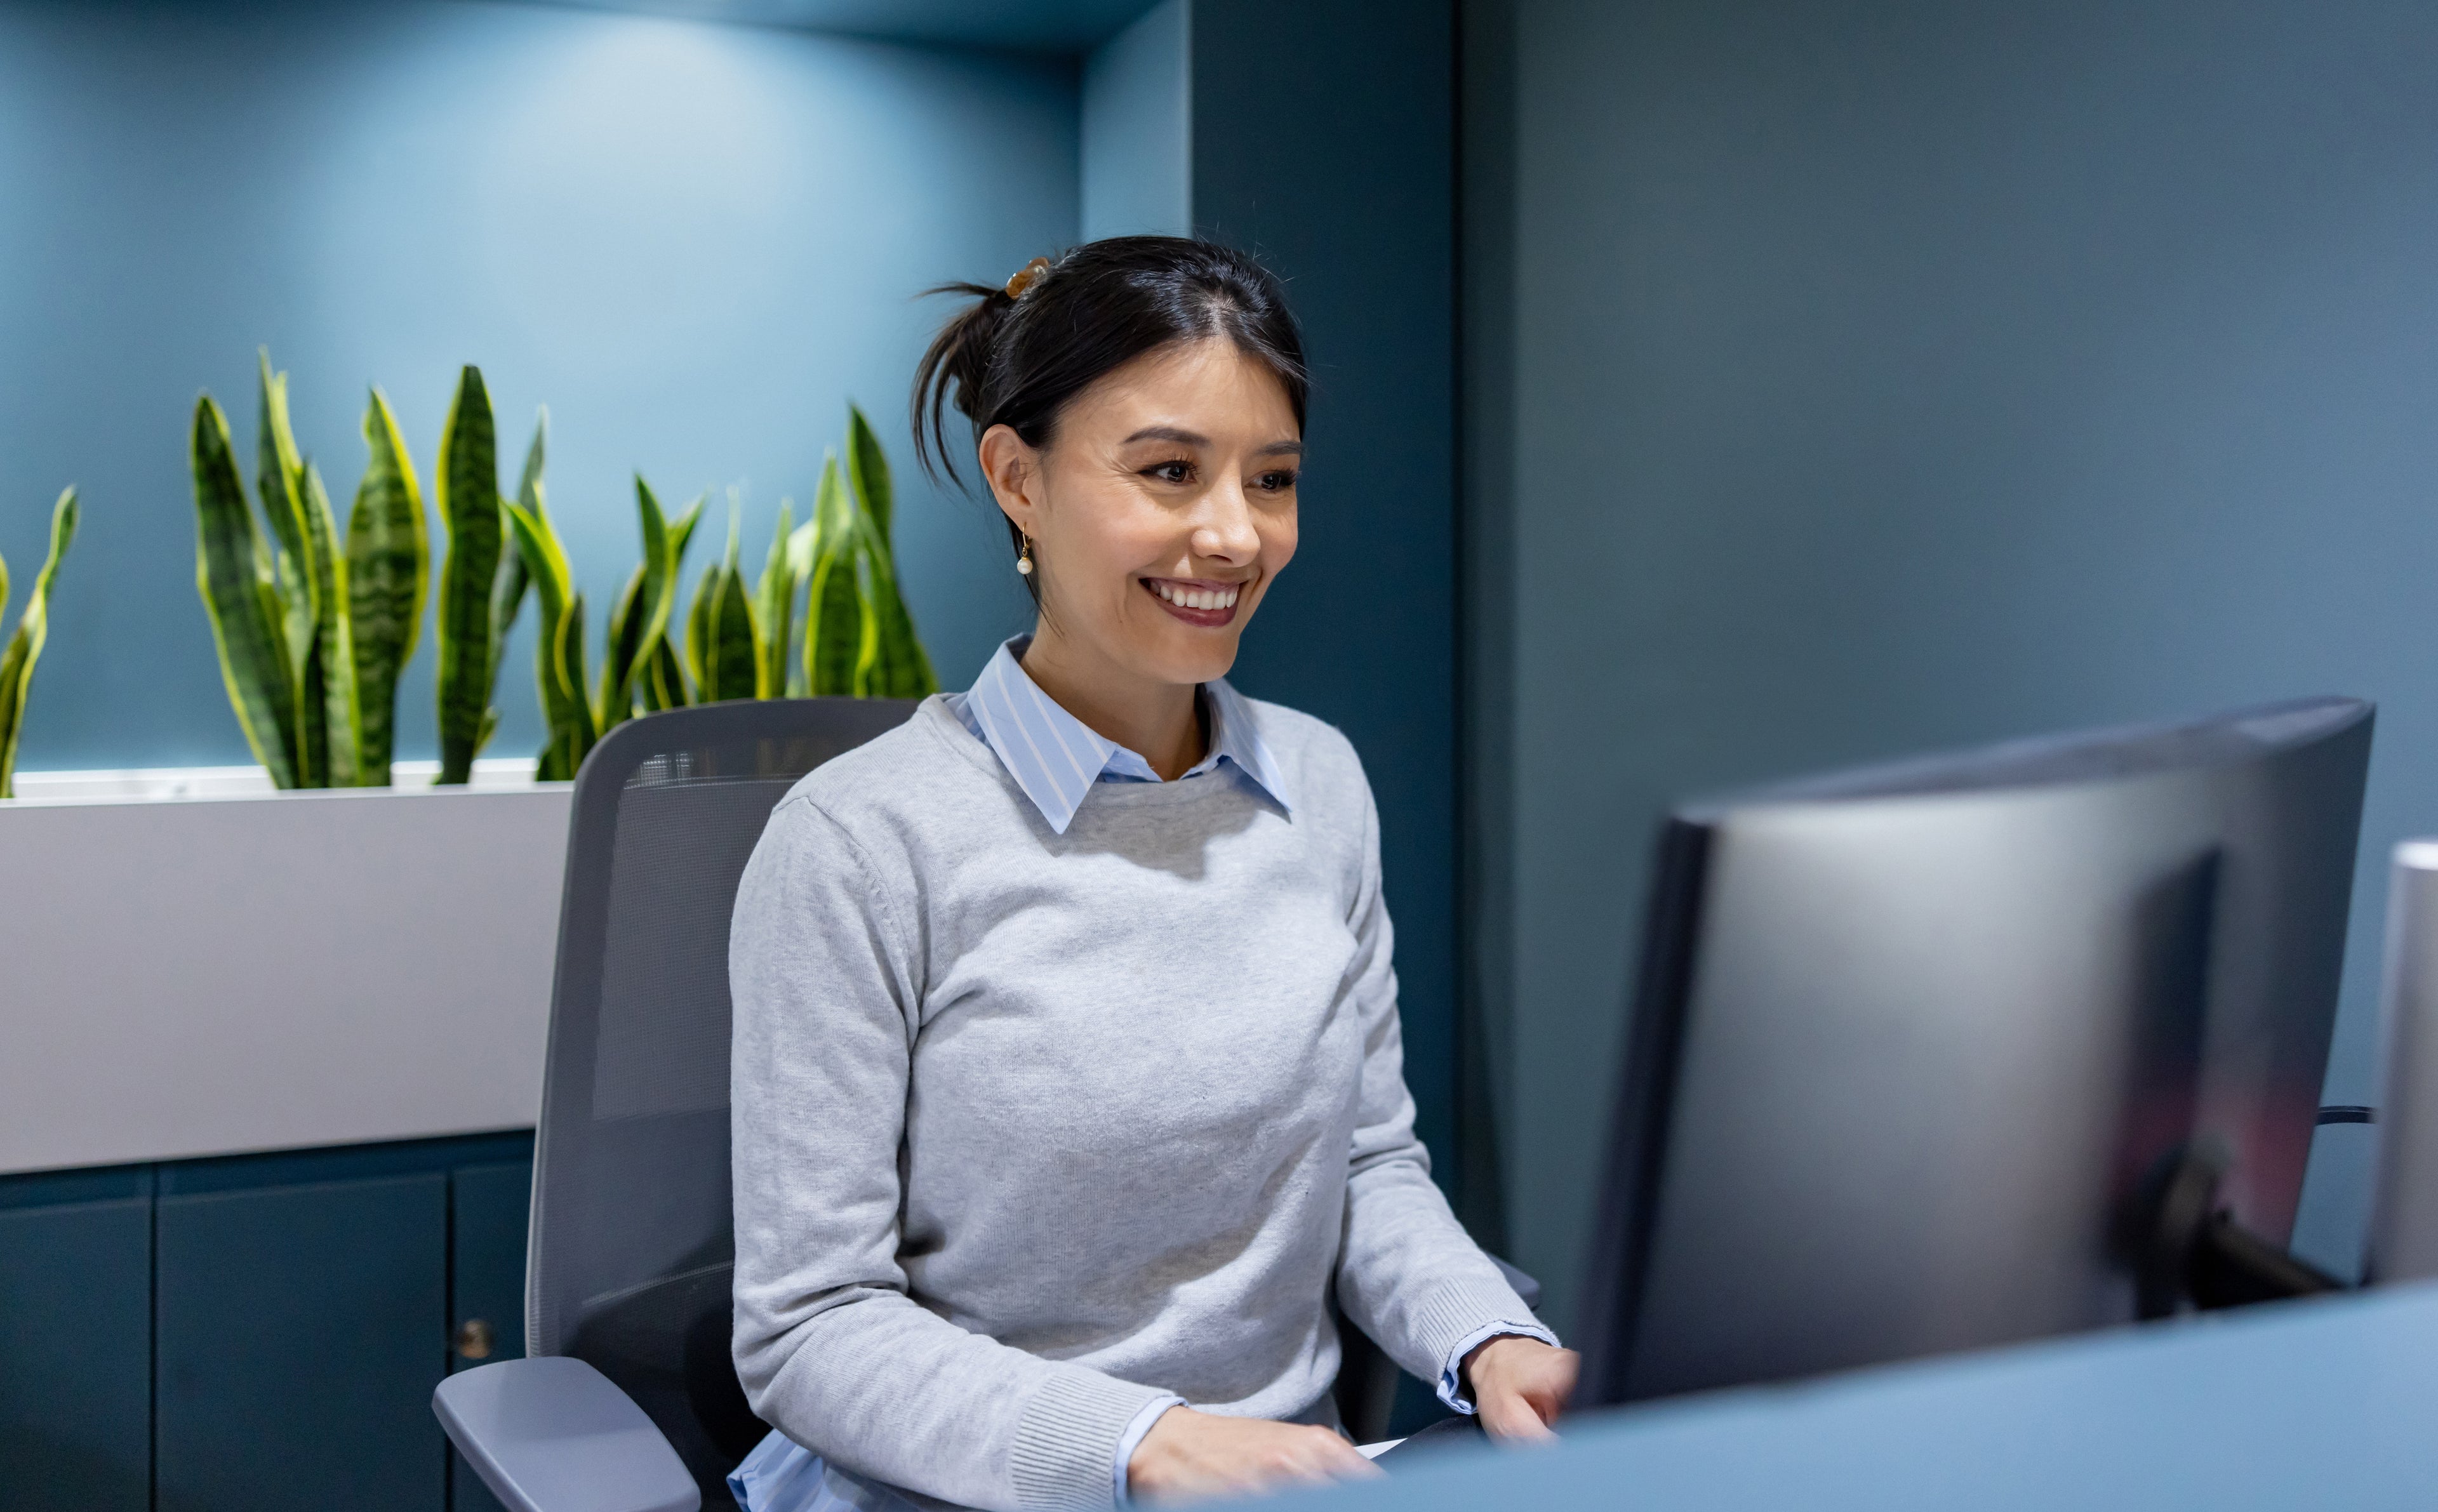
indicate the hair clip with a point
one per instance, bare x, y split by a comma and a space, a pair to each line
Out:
1026, 277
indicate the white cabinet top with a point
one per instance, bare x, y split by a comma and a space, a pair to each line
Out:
214, 974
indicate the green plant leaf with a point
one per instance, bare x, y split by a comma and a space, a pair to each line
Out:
234, 575
559, 651
641, 616
834, 616
900, 668
389, 565
279, 471
24, 647
279, 484
665, 688
468, 485
867, 471
334, 646
736, 640
774, 610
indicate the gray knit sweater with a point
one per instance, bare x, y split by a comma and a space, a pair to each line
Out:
1031, 1130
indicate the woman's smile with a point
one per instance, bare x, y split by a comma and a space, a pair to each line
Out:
1196, 600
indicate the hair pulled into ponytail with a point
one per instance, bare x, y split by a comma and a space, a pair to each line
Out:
1019, 354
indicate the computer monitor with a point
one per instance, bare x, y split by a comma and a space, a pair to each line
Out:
2404, 1216
1975, 1048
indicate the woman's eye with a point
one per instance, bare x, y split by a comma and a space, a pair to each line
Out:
1276, 482
1177, 472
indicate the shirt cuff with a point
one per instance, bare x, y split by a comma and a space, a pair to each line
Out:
1132, 1439
1452, 1373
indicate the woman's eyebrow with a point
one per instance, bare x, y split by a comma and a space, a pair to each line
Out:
1281, 448
1166, 433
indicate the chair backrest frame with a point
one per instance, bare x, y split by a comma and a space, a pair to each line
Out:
672, 1332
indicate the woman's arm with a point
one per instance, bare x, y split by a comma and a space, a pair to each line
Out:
1407, 1273
830, 1349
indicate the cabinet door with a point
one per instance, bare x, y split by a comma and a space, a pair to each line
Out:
76, 1356
487, 1207
301, 1331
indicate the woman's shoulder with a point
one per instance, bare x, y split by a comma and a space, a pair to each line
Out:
1312, 756
913, 773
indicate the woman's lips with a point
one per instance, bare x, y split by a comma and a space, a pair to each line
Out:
1196, 601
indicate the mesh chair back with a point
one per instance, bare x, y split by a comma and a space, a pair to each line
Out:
628, 1264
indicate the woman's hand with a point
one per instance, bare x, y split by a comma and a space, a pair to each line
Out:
1187, 1456
1519, 1386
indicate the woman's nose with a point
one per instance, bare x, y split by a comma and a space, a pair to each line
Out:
1226, 531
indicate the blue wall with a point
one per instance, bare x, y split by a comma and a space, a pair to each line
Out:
1138, 128
1323, 137
1886, 376
693, 243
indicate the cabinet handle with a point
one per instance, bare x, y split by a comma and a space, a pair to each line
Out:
474, 1339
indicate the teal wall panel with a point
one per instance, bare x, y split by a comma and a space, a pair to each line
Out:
76, 1348
1323, 139
301, 1331
1889, 377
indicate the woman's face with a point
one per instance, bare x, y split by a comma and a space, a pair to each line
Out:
1162, 509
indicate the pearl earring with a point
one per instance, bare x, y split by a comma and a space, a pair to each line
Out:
1024, 559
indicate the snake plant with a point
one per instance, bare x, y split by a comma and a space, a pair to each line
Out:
860, 637
25, 646
314, 627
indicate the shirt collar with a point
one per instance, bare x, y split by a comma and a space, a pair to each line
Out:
1055, 758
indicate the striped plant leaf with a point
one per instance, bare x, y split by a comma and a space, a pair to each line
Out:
334, 647
469, 485
279, 485
834, 615
24, 647
641, 616
559, 651
234, 575
576, 734
664, 685
736, 640
867, 471
774, 610
508, 587
899, 666
389, 565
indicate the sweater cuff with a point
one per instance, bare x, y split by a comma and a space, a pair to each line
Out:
1132, 1439
1452, 1373
1068, 1437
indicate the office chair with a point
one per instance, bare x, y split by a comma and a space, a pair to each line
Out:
627, 1400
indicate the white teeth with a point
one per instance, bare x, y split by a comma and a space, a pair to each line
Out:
1197, 598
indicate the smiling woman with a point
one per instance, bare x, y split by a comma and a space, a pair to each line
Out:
1068, 1089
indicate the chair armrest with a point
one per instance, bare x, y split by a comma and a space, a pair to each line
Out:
552, 1434
1526, 1287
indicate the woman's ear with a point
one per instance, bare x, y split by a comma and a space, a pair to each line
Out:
1014, 471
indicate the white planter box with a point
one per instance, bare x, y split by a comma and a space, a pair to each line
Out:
229, 969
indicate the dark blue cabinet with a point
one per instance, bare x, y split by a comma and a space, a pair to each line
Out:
300, 1332
487, 1207
75, 1341
259, 1333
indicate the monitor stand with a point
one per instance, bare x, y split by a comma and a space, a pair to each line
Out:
2191, 1250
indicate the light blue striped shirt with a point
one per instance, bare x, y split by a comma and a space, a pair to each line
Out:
1057, 758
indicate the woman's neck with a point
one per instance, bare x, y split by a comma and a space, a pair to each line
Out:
1160, 721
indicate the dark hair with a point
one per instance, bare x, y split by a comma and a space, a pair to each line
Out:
1018, 360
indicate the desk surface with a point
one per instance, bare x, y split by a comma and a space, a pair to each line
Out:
2328, 1404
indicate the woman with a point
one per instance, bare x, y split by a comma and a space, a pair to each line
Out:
1068, 1081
